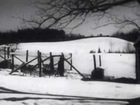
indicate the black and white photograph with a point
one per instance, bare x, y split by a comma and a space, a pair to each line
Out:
69, 52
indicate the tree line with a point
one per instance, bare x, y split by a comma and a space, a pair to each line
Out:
36, 35
129, 36
53, 35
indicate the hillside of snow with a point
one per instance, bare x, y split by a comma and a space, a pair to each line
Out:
115, 65
105, 44
24, 90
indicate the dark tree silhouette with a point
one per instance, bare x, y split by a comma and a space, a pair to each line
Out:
36, 35
61, 13
129, 36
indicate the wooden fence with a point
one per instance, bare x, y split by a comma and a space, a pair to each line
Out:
10, 57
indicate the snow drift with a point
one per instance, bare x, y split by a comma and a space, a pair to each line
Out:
116, 65
88, 45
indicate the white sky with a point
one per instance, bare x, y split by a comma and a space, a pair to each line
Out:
22, 8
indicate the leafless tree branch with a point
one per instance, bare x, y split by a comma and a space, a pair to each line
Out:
63, 12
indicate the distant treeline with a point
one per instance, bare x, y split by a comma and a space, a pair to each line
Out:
53, 35
130, 36
36, 35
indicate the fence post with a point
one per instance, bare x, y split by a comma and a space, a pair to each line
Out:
51, 62
5, 52
39, 63
100, 63
71, 61
12, 66
94, 59
74, 68
8, 52
27, 53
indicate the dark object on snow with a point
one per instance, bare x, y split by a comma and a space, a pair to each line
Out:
137, 52
125, 80
97, 74
27, 69
135, 101
61, 66
5, 64
48, 71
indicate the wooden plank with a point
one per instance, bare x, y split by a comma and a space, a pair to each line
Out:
5, 52
5, 59
100, 62
75, 68
39, 63
47, 59
19, 59
137, 66
94, 61
71, 61
27, 54
42, 61
8, 52
23, 65
51, 62
12, 56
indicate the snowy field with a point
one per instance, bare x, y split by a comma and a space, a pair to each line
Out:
32, 90
80, 46
116, 65
19, 90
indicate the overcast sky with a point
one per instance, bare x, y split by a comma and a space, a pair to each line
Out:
10, 9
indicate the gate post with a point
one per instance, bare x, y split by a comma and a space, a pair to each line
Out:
100, 62
12, 66
94, 60
71, 61
39, 62
51, 62
27, 54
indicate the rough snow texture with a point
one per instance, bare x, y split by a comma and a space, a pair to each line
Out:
70, 87
49, 89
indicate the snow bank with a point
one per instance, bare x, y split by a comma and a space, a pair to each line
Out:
80, 46
117, 65
70, 87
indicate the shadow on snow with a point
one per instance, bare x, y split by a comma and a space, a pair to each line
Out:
59, 97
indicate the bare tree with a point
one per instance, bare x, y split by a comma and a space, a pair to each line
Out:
61, 13
121, 23
124, 20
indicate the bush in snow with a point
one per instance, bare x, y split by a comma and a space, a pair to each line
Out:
92, 51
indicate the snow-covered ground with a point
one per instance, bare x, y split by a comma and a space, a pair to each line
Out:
80, 46
115, 64
70, 87
70, 91
62, 91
